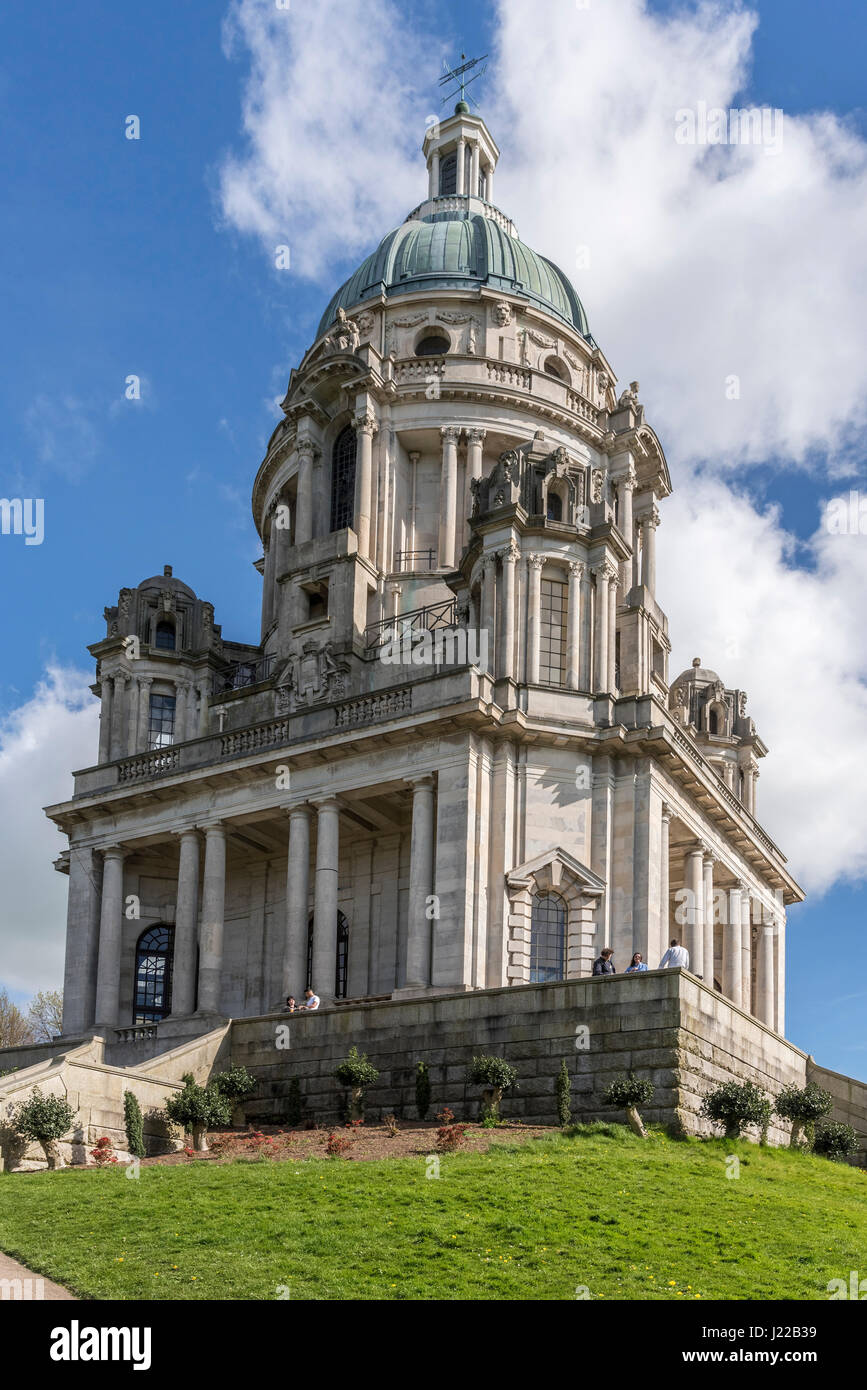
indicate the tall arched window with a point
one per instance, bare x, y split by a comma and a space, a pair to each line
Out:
341, 960
547, 938
343, 479
153, 975
449, 175
165, 636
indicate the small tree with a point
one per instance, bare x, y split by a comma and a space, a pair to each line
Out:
134, 1125
564, 1096
199, 1108
496, 1075
294, 1103
803, 1105
836, 1141
45, 1015
236, 1083
45, 1119
736, 1105
422, 1089
356, 1072
627, 1093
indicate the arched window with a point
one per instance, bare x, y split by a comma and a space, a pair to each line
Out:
555, 507
343, 479
153, 975
165, 636
433, 345
553, 368
449, 175
341, 960
713, 722
547, 938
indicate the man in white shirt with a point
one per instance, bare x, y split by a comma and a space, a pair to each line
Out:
311, 1000
676, 956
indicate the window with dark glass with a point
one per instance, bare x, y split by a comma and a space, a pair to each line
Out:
165, 636
449, 175
153, 975
547, 938
555, 507
434, 345
343, 479
341, 960
552, 632
553, 368
161, 724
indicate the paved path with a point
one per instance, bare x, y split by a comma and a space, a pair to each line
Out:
17, 1282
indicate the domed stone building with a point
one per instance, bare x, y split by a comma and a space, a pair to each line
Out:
453, 760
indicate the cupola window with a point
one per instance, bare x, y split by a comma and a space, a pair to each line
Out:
449, 175
343, 479
433, 345
161, 725
165, 637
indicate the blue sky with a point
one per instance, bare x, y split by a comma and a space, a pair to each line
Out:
118, 259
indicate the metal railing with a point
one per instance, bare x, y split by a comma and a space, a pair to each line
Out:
242, 674
408, 559
435, 616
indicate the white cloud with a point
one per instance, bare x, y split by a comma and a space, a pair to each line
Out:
41, 742
704, 262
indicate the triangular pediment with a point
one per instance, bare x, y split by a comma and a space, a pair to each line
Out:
556, 867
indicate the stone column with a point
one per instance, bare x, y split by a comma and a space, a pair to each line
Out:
118, 722
144, 710
110, 930
297, 903
626, 486
664, 878
474, 170
732, 982
649, 523
448, 495
489, 183
708, 918
305, 450
765, 975
600, 622
421, 867
366, 426
534, 616
460, 187
105, 720
181, 692
612, 630
213, 911
325, 903
204, 707
506, 606
573, 625
186, 923
694, 884
268, 573
489, 605
746, 948
585, 677
475, 443
82, 940
434, 189
780, 976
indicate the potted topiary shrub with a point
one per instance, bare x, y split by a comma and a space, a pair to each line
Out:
44, 1119
198, 1109
496, 1075
356, 1072
736, 1105
836, 1141
236, 1085
803, 1105
422, 1089
627, 1093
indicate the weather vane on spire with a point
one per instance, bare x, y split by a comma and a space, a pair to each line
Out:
459, 75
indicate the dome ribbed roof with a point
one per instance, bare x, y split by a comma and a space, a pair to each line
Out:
458, 250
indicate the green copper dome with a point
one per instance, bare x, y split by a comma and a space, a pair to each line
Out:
458, 250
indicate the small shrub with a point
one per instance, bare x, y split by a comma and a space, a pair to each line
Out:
736, 1105
356, 1072
134, 1125
451, 1136
495, 1075
445, 1116
803, 1105
627, 1093
294, 1103
391, 1124
198, 1109
564, 1096
45, 1119
104, 1151
422, 1090
836, 1141
338, 1145
236, 1084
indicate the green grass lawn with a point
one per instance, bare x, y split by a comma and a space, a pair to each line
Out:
626, 1218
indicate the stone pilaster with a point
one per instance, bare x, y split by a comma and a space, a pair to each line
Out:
186, 923
366, 425
325, 901
213, 913
534, 615
297, 903
448, 495
577, 571
421, 868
